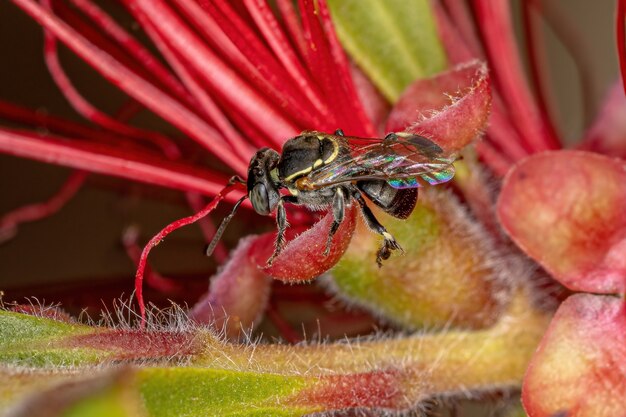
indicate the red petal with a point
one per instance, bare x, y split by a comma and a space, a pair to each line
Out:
238, 294
303, 259
579, 368
451, 108
565, 209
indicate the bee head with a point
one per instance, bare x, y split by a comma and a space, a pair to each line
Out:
262, 189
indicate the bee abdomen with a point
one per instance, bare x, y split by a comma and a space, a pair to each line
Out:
397, 202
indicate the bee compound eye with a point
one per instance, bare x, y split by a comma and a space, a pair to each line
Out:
259, 199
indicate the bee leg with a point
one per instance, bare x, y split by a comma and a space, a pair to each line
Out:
339, 211
236, 179
282, 224
389, 242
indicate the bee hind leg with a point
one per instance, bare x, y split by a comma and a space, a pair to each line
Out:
389, 242
339, 212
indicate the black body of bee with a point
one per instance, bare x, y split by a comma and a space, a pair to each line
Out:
320, 171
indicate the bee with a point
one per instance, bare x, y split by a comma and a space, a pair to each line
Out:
322, 171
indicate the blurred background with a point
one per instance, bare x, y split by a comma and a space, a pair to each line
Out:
76, 254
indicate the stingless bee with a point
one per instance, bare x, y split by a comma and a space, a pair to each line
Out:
321, 170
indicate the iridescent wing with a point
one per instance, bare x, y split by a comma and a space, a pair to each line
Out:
403, 160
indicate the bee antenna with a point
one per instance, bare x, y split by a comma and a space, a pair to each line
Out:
220, 230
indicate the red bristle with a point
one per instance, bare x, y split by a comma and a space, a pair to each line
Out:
344, 72
495, 25
209, 108
268, 78
498, 163
288, 97
462, 21
319, 63
221, 78
196, 202
538, 66
621, 41
97, 37
328, 75
503, 134
142, 55
14, 113
88, 111
158, 238
153, 279
110, 160
501, 131
292, 24
146, 93
37, 211
271, 30
128, 109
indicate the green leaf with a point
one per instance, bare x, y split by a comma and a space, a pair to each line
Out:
393, 41
29, 340
172, 392
177, 372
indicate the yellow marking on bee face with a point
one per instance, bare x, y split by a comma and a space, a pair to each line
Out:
317, 163
292, 191
299, 173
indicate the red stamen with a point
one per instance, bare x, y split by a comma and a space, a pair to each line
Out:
153, 278
196, 202
292, 24
109, 160
143, 259
37, 211
82, 106
495, 25
146, 93
621, 41
271, 30
344, 73
12, 112
500, 131
536, 59
97, 37
219, 76
493, 158
142, 55
229, 34
211, 110
464, 24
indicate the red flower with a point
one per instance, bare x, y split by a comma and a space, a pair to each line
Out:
244, 75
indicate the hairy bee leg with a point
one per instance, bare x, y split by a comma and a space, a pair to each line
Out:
339, 212
389, 242
282, 224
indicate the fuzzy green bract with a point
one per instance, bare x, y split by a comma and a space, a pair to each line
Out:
171, 392
393, 41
